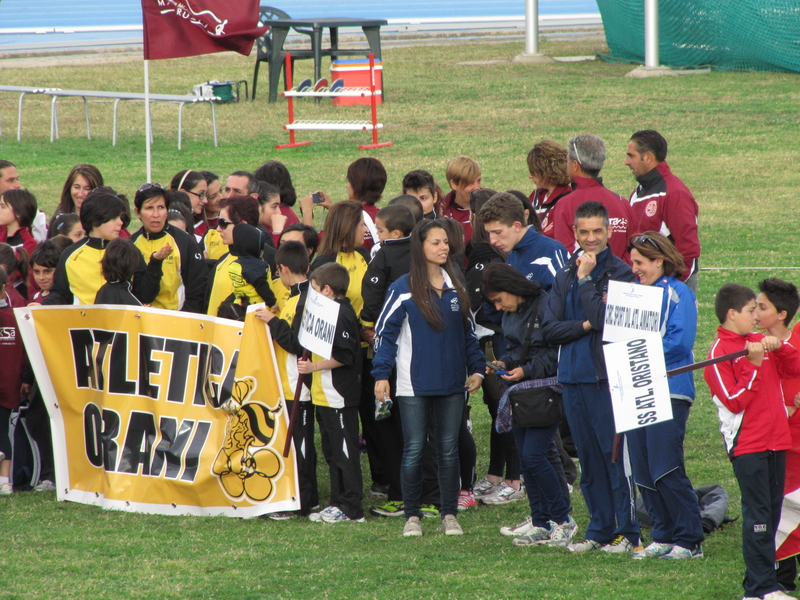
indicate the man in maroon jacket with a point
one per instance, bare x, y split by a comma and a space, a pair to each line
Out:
662, 202
586, 155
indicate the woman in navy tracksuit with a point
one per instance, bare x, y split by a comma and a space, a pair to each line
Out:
656, 451
426, 332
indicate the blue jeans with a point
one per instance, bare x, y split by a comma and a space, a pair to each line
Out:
415, 412
545, 496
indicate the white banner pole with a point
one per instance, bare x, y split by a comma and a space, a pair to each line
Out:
531, 27
147, 124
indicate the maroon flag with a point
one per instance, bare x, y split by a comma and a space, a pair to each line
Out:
178, 28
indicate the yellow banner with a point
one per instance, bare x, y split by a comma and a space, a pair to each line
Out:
161, 411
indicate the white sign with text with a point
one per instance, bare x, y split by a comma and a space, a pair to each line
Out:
631, 309
318, 327
637, 376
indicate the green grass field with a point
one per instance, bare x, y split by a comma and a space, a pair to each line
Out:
733, 140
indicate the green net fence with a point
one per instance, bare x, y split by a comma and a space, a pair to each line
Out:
759, 35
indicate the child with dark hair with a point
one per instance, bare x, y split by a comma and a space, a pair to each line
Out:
421, 185
13, 359
336, 392
776, 306
292, 267
43, 265
68, 225
18, 209
119, 263
753, 420
412, 202
15, 265
303, 234
249, 273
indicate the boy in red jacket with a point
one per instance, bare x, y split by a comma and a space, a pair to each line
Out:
754, 424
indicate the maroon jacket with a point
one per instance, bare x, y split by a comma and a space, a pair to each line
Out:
590, 189
543, 204
449, 208
13, 359
663, 203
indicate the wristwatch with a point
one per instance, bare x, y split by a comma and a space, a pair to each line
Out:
583, 280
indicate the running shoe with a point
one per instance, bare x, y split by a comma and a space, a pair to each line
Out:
584, 546
679, 553
44, 486
538, 535
504, 494
429, 510
466, 500
619, 545
483, 488
393, 508
561, 534
654, 550
317, 516
337, 516
524, 528
379, 491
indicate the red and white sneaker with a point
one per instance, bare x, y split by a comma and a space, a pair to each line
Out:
466, 500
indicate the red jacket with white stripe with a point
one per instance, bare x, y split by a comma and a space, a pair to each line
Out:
663, 203
749, 399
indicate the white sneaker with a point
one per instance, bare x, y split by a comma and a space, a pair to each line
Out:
44, 486
584, 546
483, 488
6, 489
619, 545
504, 494
654, 550
450, 525
561, 534
317, 516
412, 528
523, 528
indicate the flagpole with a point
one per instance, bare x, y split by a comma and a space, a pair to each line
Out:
147, 124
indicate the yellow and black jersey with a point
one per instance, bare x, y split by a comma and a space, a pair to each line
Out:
220, 286
356, 263
282, 293
213, 245
258, 291
341, 387
184, 274
79, 275
285, 330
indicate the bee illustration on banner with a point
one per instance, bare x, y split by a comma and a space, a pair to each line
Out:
246, 465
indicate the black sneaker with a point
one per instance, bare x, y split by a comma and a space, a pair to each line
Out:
379, 491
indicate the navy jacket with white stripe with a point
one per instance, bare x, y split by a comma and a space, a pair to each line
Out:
428, 362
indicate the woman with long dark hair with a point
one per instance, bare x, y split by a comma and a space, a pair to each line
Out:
82, 179
344, 232
529, 357
426, 332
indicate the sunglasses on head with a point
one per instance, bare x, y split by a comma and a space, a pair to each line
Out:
643, 239
150, 186
223, 223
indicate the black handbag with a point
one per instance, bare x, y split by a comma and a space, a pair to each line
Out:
535, 407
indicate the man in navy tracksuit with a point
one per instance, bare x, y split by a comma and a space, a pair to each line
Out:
574, 319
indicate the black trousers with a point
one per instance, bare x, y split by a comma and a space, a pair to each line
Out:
306, 455
760, 476
338, 428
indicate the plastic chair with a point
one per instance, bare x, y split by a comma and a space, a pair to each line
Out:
264, 43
